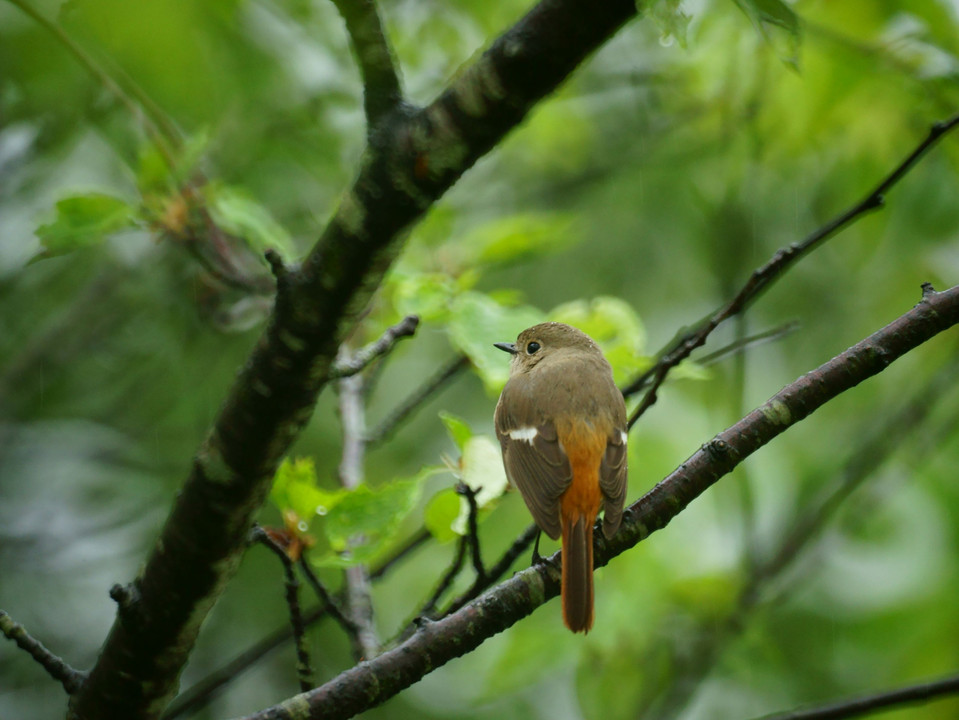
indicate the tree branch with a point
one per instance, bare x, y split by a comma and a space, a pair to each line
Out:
436, 643
56, 668
413, 157
763, 277
417, 398
304, 671
357, 361
867, 704
381, 81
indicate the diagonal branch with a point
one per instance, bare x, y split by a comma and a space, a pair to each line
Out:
381, 81
56, 667
436, 643
869, 704
413, 157
761, 278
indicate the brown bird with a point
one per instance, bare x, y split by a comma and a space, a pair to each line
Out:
561, 422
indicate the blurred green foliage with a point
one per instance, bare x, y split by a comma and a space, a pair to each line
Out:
631, 203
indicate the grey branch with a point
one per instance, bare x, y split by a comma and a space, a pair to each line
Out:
56, 668
350, 364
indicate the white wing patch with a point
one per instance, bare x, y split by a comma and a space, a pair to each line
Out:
624, 436
527, 433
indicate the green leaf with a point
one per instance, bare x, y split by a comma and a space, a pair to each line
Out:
237, 213
442, 511
84, 221
517, 237
779, 26
458, 429
363, 521
426, 295
295, 488
614, 324
476, 322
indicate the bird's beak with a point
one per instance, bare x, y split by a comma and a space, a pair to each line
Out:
506, 347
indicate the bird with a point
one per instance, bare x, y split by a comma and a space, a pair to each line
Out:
561, 424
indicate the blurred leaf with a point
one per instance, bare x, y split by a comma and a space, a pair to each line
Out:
779, 26
237, 213
477, 321
426, 295
442, 511
84, 221
154, 174
458, 429
614, 324
516, 237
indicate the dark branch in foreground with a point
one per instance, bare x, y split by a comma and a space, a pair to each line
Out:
763, 277
381, 81
56, 668
436, 643
867, 704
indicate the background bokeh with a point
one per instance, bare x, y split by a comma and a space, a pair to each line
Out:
661, 174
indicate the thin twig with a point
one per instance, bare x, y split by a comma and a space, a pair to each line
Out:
761, 278
451, 572
304, 670
416, 399
160, 128
472, 527
867, 704
56, 667
330, 604
358, 360
750, 341
519, 546
381, 81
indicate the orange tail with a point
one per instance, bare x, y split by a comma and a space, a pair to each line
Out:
577, 573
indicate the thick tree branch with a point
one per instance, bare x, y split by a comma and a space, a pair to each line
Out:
381, 81
784, 258
413, 157
56, 668
871, 704
436, 643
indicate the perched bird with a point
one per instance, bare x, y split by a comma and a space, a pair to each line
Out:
561, 422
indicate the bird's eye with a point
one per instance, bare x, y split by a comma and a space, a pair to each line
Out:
532, 348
